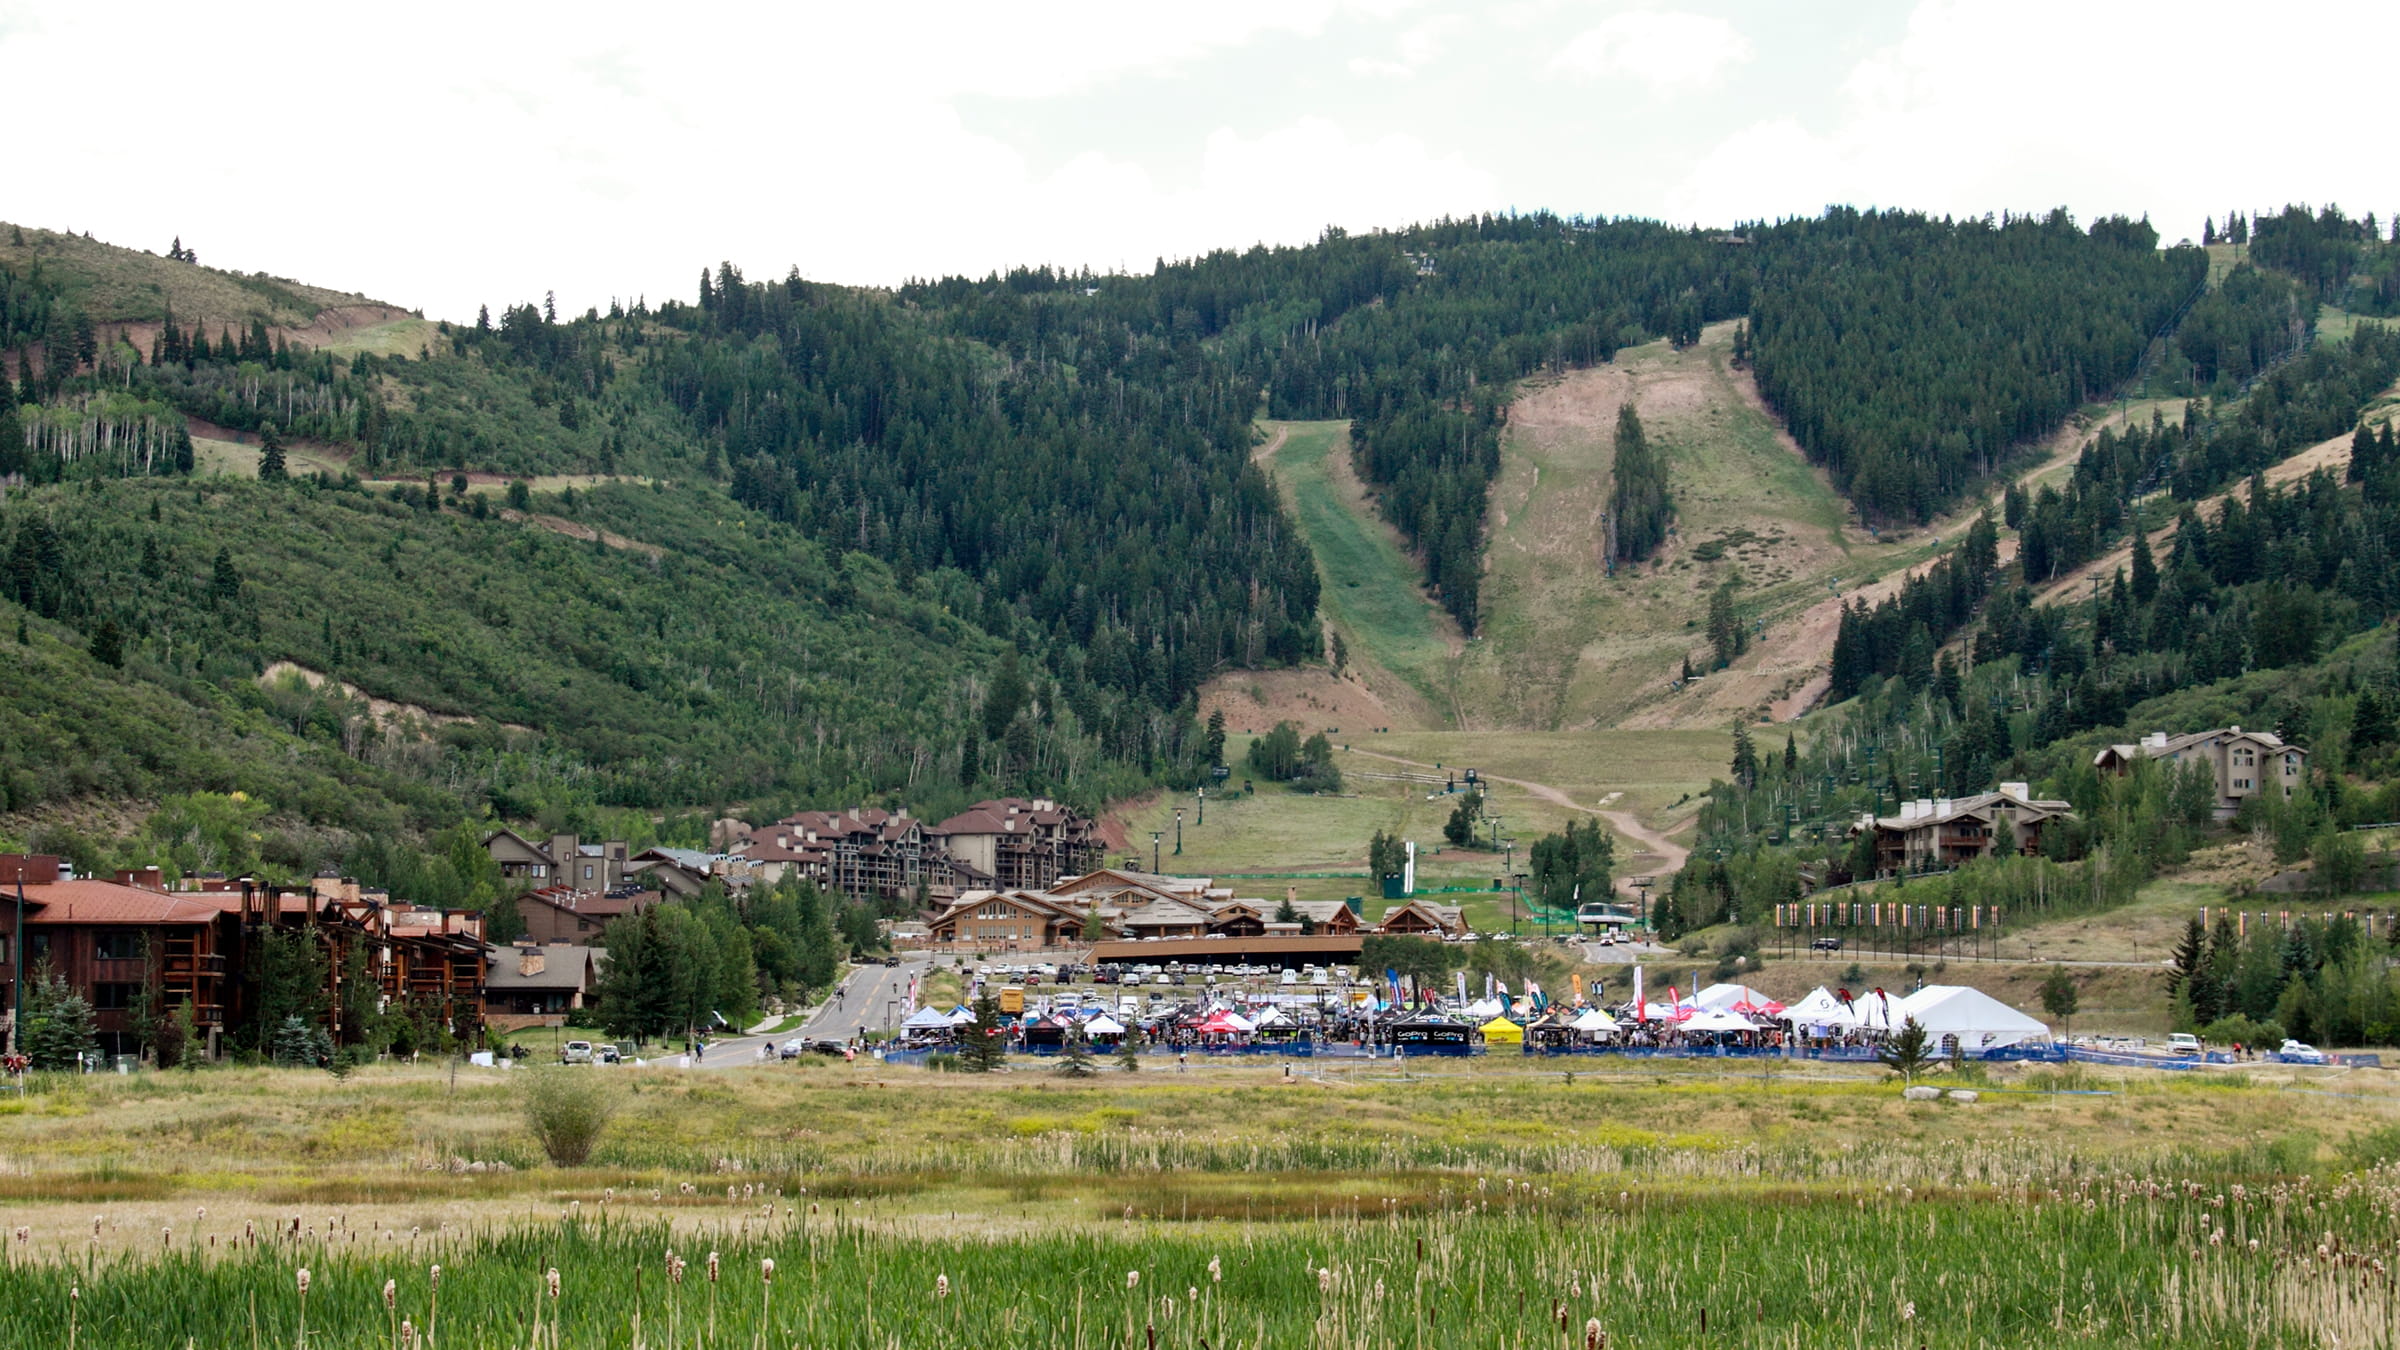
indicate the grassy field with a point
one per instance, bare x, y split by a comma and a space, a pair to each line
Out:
116, 284
1487, 1202
1371, 596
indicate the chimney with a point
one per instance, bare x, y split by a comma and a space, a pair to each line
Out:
2156, 740
31, 869
1924, 807
1291, 895
2021, 791
2237, 731
563, 852
530, 962
142, 878
1941, 806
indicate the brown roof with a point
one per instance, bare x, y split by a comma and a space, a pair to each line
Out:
108, 902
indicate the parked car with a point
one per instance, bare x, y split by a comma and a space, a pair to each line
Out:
2297, 1052
793, 1048
826, 1047
575, 1052
605, 1054
892, 960
2184, 1043
1826, 944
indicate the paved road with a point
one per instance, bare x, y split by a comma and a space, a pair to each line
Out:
859, 1006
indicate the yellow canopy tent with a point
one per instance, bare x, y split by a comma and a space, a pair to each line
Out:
1501, 1031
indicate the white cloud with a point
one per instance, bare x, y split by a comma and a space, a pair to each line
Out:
1980, 108
1413, 50
1670, 51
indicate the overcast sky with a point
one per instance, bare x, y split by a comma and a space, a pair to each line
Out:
439, 155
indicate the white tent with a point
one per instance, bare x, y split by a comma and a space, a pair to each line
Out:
1268, 1018
1979, 1021
1718, 1021
1483, 1009
1720, 997
1240, 1023
1595, 1023
959, 1017
926, 1019
1104, 1025
1820, 1008
1880, 1012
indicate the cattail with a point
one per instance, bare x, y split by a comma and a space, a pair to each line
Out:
1191, 1294
249, 1229
1216, 1271
608, 1194
97, 1220
550, 1278
303, 1278
199, 1216
1133, 1279
436, 1272
766, 1269
941, 1283
674, 1269
391, 1295
1908, 1311
408, 1334
712, 1267
166, 1236
1593, 1337
1324, 1280
25, 1235
812, 1206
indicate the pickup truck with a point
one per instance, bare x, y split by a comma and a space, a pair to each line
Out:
2184, 1043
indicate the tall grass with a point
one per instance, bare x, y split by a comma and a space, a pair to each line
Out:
2103, 1261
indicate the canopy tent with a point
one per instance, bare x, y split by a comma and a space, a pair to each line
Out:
1718, 1021
1874, 1011
960, 1017
1222, 1023
1664, 1012
1268, 1018
1594, 1022
1755, 1004
1501, 1031
1104, 1025
1719, 997
926, 1019
1819, 1009
1979, 1021
1485, 1007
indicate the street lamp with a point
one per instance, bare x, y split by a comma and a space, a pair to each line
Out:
1201, 793
1178, 831
1155, 836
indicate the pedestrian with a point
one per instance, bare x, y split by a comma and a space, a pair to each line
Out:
1182, 1062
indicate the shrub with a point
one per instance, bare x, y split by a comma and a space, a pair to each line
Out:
568, 1110
2242, 1030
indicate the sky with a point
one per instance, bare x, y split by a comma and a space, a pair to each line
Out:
441, 156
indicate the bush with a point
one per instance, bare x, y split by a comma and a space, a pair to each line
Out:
2240, 1029
568, 1110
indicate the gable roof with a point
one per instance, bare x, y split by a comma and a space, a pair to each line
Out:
106, 902
564, 966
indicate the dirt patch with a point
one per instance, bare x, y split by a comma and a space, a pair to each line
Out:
1658, 856
388, 714
1264, 451
587, 533
1313, 699
331, 324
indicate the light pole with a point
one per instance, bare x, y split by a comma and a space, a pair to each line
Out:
1201, 793
1155, 836
1178, 831
16, 979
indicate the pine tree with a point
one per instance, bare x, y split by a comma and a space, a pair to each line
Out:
1075, 1061
1745, 757
59, 1026
108, 644
1725, 636
2145, 568
1905, 1053
1638, 503
1129, 1054
270, 455
225, 584
982, 1049
2059, 997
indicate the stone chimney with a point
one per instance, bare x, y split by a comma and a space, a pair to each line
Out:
2021, 791
530, 962
1291, 895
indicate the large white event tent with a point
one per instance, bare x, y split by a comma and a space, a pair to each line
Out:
1979, 1021
1594, 1022
926, 1019
1718, 1021
1820, 1009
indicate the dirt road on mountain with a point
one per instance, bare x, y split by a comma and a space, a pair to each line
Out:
1670, 855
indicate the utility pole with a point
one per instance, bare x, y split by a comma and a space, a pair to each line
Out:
16, 981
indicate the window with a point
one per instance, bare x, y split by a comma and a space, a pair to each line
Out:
37, 949
114, 996
587, 871
117, 946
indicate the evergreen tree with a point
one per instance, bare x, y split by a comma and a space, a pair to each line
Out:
1639, 505
1725, 636
2371, 722
2145, 568
2059, 996
1905, 1053
1745, 757
59, 1026
270, 454
981, 1048
225, 584
108, 644
1075, 1059
1129, 1054
1215, 744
